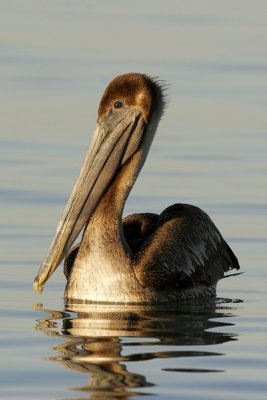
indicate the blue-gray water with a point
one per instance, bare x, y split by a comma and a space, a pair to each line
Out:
56, 58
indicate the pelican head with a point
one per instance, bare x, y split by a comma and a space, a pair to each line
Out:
128, 114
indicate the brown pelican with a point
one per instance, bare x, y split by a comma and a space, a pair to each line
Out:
145, 257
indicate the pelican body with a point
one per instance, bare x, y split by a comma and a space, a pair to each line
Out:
145, 257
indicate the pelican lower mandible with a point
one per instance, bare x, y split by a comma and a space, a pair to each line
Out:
145, 257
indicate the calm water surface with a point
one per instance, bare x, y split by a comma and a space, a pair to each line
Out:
55, 60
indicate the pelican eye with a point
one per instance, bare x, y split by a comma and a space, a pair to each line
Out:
118, 104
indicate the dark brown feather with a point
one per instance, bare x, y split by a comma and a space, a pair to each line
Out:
185, 250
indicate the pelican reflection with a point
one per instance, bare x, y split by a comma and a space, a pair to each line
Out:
101, 341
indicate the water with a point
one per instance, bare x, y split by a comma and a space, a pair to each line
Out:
55, 60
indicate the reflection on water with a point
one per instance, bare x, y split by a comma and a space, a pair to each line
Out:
101, 340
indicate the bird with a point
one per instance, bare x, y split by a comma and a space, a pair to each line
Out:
142, 258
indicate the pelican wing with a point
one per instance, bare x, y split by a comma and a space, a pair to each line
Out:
185, 250
137, 228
